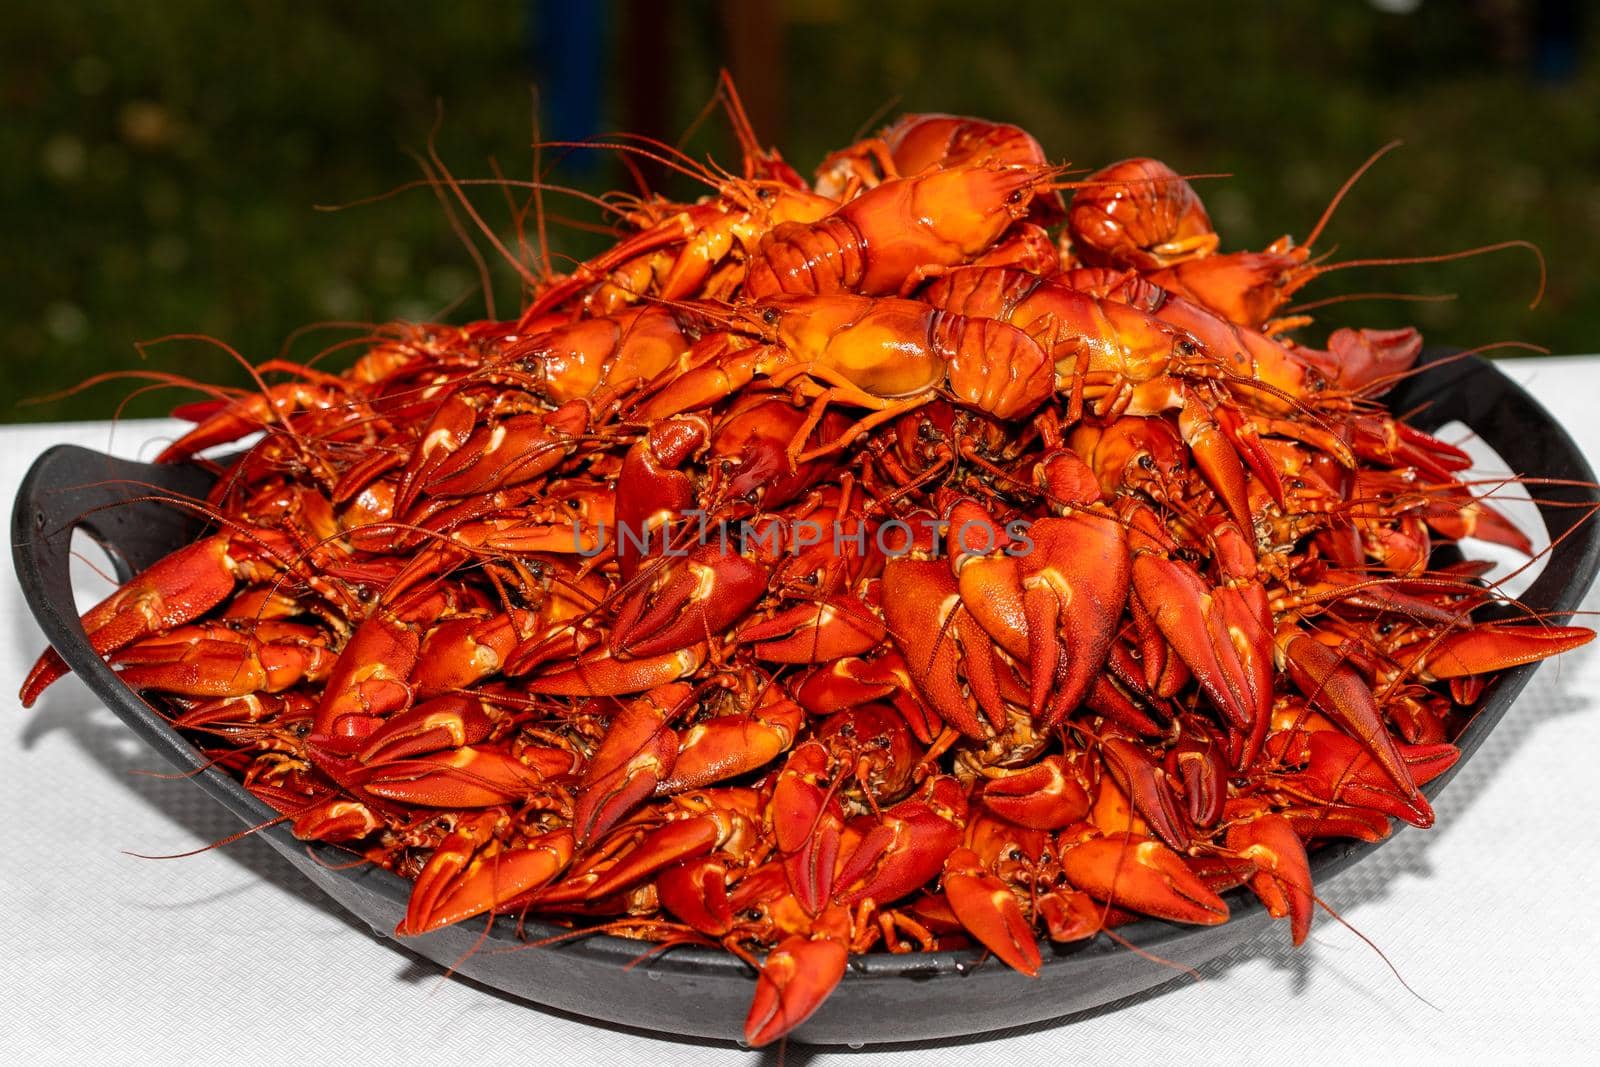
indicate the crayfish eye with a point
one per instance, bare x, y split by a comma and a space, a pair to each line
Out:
1147, 462
770, 316
764, 193
1186, 348
1015, 197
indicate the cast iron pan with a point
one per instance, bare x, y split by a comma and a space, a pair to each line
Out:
705, 993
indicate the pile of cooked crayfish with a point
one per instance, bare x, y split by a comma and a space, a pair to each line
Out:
910, 559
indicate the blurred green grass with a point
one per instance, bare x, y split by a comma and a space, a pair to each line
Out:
160, 163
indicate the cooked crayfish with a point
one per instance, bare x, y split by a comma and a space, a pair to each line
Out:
822, 571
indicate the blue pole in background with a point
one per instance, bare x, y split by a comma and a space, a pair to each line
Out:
565, 49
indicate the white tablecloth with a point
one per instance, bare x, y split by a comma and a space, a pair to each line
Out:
1491, 918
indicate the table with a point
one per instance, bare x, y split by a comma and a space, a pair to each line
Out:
1490, 918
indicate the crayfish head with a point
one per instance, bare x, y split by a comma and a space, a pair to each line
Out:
1139, 213
973, 205
1132, 453
874, 745
1245, 287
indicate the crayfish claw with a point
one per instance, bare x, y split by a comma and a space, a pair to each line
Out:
1143, 876
795, 979
989, 912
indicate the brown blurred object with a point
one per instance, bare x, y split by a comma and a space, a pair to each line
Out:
646, 68
755, 57
751, 42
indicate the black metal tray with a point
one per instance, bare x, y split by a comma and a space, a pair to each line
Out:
705, 993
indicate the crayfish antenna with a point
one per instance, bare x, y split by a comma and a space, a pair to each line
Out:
1446, 257
1349, 183
1387, 962
230, 839
759, 163
1346, 298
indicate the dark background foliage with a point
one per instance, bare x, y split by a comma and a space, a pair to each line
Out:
160, 163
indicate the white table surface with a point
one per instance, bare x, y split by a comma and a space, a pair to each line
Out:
1492, 917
